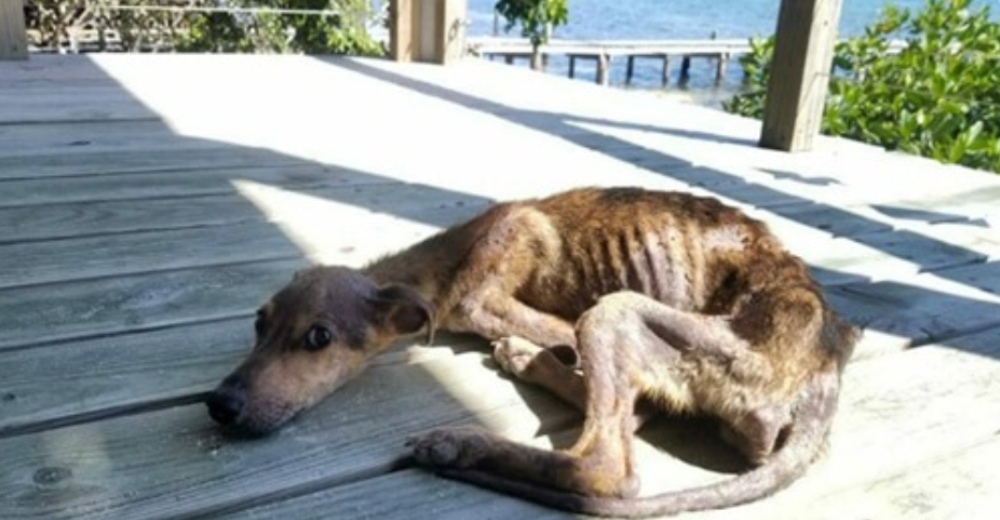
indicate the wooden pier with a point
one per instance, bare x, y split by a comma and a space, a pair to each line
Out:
603, 51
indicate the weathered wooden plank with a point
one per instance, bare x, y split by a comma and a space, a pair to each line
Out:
391, 496
175, 463
48, 386
899, 414
52, 67
101, 103
964, 484
44, 313
796, 91
34, 140
13, 37
108, 162
133, 253
415, 202
190, 181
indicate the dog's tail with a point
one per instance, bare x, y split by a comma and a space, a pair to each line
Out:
805, 439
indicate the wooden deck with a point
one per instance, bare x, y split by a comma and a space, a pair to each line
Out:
149, 203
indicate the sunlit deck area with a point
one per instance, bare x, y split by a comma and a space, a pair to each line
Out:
149, 204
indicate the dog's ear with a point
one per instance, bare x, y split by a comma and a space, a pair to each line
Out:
404, 311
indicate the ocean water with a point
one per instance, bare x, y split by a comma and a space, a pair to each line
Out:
669, 19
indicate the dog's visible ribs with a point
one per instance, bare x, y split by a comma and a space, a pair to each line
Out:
606, 297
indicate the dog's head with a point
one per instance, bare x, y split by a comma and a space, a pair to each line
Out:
315, 334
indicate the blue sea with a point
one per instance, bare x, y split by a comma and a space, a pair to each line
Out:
681, 19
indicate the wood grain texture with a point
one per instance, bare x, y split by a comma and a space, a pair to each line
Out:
34, 222
175, 463
184, 183
46, 313
796, 91
103, 376
39, 140
196, 157
46, 262
965, 484
394, 495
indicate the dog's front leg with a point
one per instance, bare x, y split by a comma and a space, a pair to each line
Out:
493, 314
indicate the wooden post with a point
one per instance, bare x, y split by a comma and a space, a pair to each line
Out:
572, 66
603, 63
666, 69
13, 34
685, 70
629, 69
427, 30
537, 60
800, 73
720, 68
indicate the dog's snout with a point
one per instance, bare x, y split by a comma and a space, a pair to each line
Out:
226, 402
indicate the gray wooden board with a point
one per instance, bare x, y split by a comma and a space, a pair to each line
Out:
121, 254
70, 219
62, 311
35, 140
410, 494
84, 104
183, 183
105, 162
963, 485
54, 68
175, 463
104, 375
886, 425
899, 414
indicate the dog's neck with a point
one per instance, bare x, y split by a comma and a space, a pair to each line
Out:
426, 266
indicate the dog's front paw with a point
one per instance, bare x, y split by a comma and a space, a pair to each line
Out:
515, 355
458, 448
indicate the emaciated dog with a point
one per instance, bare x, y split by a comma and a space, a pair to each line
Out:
605, 297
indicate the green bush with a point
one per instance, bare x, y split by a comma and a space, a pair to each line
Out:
939, 97
345, 32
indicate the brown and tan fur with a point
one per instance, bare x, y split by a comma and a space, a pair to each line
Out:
604, 296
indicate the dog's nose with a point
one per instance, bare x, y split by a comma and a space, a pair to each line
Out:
226, 402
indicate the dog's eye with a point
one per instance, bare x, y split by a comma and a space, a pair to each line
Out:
318, 337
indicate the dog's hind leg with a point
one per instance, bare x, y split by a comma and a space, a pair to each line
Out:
601, 462
630, 346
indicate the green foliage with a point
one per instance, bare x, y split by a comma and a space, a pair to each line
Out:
939, 97
342, 31
534, 16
